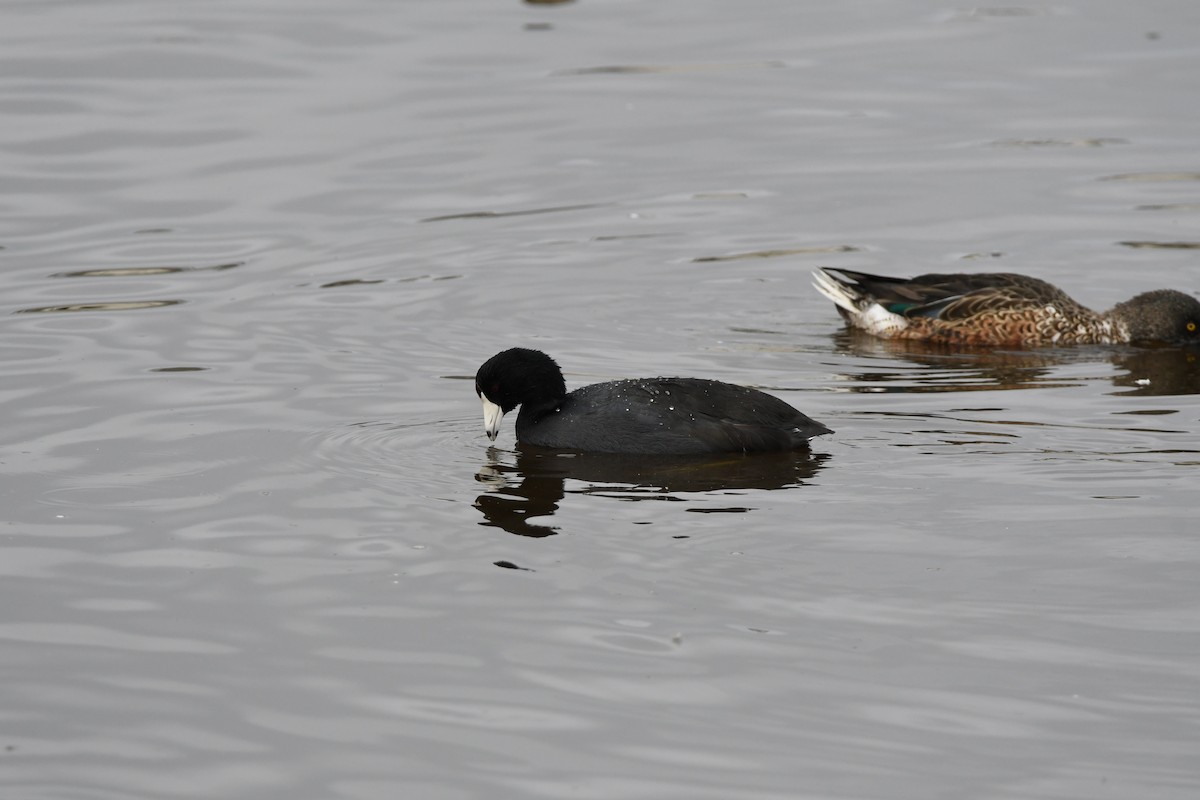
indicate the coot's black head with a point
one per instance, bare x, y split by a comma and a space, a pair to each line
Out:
1163, 315
516, 376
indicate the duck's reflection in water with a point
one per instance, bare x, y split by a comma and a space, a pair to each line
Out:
1158, 370
1154, 370
531, 482
944, 368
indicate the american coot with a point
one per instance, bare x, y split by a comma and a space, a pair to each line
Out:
642, 415
1001, 308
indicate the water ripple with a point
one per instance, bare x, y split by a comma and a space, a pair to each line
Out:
114, 305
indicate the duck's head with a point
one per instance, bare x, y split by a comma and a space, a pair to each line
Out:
1163, 315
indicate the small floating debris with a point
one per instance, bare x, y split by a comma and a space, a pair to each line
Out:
511, 565
180, 369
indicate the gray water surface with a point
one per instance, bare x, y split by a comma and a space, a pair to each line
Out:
256, 544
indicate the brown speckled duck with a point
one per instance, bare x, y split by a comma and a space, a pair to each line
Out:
1000, 308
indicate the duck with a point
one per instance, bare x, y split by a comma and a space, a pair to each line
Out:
1002, 308
652, 416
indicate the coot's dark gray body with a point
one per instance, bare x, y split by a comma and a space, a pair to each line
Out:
683, 416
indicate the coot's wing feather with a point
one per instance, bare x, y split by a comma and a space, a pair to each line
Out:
731, 417
729, 435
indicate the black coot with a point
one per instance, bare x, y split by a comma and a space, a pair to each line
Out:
641, 415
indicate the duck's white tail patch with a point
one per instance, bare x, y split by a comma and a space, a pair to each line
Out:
878, 320
861, 310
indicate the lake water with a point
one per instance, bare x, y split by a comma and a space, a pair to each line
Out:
256, 544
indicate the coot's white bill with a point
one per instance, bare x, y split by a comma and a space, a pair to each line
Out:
492, 415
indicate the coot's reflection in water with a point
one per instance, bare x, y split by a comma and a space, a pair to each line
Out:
531, 482
1147, 370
